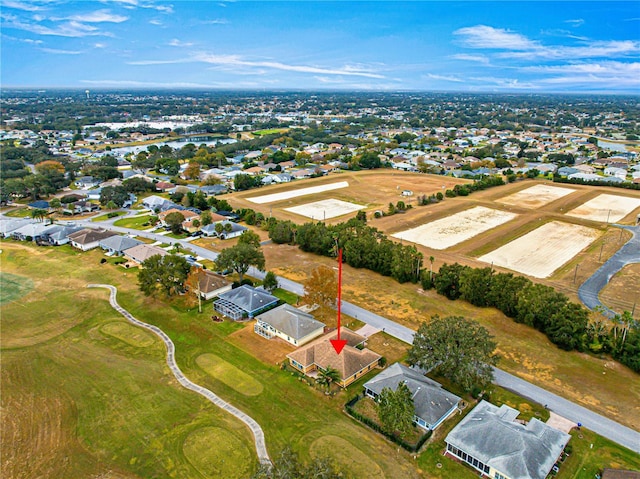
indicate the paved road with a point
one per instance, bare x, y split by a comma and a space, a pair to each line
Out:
630, 253
255, 428
591, 420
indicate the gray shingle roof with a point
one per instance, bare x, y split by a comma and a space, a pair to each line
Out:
291, 321
430, 400
119, 243
249, 299
518, 451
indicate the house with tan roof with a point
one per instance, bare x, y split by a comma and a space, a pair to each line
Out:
352, 362
211, 284
189, 217
88, 238
142, 252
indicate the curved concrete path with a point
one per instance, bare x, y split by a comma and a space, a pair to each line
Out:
258, 434
629, 253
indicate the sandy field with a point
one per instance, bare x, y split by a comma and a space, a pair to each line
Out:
536, 196
606, 208
285, 195
543, 250
454, 229
321, 210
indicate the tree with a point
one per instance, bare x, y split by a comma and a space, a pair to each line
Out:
288, 466
38, 214
117, 194
328, 376
239, 258
457, 348
447, 281
192, 285
163, 275
282, 232
137, 185
55, 203
192, 172
174, 221
250, 238
270, 281
205, 218
321, 287
396, 409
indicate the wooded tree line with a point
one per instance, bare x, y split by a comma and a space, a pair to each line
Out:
566, 324
363, 246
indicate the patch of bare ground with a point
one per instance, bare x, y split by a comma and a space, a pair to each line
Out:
269, 351
623, 290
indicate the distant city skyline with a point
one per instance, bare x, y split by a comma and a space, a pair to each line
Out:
482, 46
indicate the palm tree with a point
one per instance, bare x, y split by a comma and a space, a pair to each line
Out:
328, 376
431, 260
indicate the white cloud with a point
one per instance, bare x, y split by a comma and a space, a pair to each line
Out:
61, 52
28, 7
216, 21
483, 36
506, 83
100, 45
98, 16
236, 60
177, 43
607, 67
599, 49
471, 58
23, 40
155, 22
145, 84
67, 29
445, 78
578, 22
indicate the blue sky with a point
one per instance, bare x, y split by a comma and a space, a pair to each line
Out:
481, 46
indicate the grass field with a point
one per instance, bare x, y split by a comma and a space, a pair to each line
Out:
270, 131
91, 398
13, 287
106, 216
135, 222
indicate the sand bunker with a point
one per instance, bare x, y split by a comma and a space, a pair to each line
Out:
285, 195
449, 231
543, 250
321, 210
606, 208
536, 196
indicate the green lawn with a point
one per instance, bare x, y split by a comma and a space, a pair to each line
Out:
20, 212
270, 131
135, 222
107, 217
104, 399
13, 287
286, 296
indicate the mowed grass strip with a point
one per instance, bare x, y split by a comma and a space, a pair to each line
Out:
352, 459
13, 286
129, 334
134, 222
229, 374
215, 452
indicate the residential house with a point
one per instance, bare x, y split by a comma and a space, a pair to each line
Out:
87, 182
289, 323
211, 284
115, 245
189, 217
60, 236
432, 403
243, 302
31, 231
491, 441
352, 363
142, 252
616, 172
9, 225
164, 186
212, 190
88, 238
229, 228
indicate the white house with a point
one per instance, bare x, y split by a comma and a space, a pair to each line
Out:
288, 323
